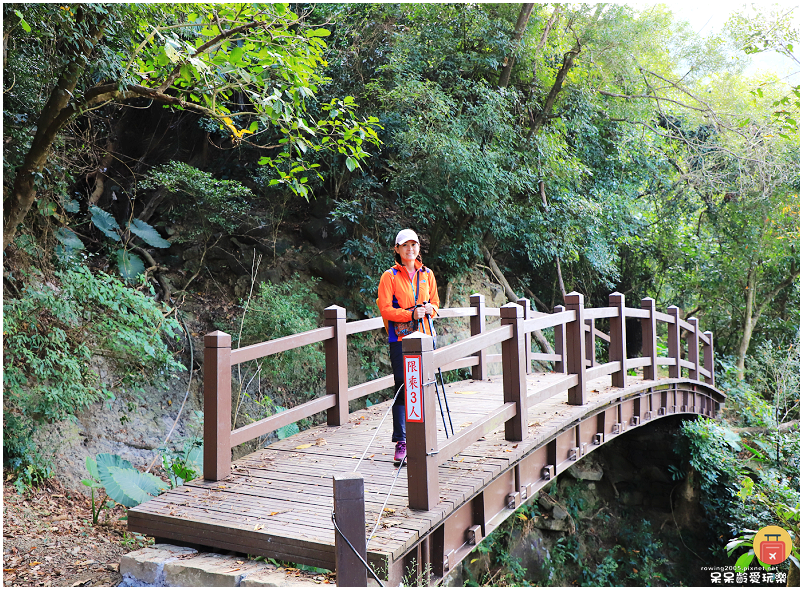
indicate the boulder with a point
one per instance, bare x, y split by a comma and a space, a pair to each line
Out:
551, 524
325, 267
588, 469
319, 232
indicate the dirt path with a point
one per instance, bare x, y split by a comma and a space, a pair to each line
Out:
49, 540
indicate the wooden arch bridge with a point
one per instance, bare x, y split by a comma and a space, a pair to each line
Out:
514, 432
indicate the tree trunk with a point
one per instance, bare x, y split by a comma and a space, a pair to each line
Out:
50, 121
752, 312
537, 334
793, 579
749, 323
547, 109
557, 259
519, 30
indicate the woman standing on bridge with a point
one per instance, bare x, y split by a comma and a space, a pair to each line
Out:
406, 295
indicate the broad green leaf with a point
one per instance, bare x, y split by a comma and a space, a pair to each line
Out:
744, 561
318, 32
67, 237
71, 206
148, 233
130, 487
130, 265
104, 222
91, 467
351, 163
288, 430
23, 22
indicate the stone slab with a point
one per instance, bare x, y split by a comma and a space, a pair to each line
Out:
165, 565
147, 565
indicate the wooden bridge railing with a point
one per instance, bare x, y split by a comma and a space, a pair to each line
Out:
574, 344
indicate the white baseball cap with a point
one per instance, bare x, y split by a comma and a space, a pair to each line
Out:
406, 235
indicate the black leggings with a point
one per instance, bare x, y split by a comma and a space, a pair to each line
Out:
396, 356
399, 407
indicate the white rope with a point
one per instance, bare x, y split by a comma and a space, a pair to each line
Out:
386, 501
377, 430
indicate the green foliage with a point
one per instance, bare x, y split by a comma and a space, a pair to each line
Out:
751, 478
53, 335
278, 310
185, 465
93, 483
122, 482
205, 204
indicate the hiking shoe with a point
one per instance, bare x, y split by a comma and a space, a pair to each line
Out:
400, 451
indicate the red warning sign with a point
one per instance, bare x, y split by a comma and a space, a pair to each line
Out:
413, 388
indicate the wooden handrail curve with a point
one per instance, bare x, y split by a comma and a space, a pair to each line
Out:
575, 333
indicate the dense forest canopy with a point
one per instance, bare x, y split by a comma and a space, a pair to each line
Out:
561, 147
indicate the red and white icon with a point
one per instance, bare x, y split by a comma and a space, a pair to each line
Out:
772, 552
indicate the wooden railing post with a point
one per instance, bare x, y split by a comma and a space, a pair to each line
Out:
591, 350
336, 365
515, 384
708, 357
576, 350
526, 309
617, 348
477, 325
649, 336
217, 406
348, 507
694, 348
674, 341
421, 443
560, 342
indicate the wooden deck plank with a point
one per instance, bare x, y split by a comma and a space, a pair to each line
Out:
278, 500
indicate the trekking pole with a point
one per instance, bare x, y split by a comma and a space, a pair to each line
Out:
441, 377
436, 386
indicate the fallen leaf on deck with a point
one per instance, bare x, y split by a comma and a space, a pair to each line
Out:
258, 527
305, 446
321, 442
389, 510
273, 513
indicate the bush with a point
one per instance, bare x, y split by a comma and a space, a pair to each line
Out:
293, 376
51, 335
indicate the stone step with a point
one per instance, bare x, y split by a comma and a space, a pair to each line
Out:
164, 565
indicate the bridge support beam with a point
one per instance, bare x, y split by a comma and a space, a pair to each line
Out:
477, 325
217, 406
617, 349
515, 384
576, 350
336, 365
422, 446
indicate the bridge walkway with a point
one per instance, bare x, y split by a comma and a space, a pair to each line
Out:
278, 500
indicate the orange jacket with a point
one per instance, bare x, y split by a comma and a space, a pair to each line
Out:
396, 297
